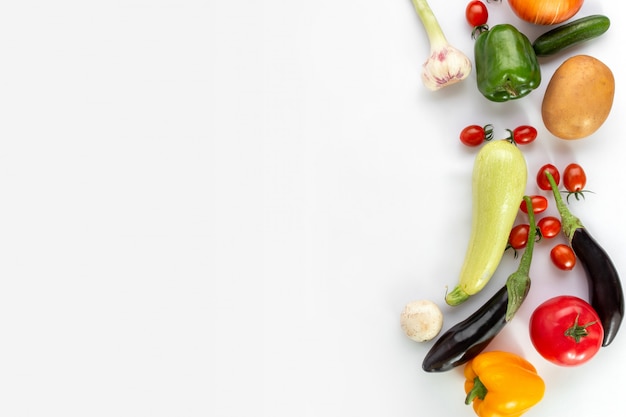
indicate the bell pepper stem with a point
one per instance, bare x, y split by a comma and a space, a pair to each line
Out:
478, 390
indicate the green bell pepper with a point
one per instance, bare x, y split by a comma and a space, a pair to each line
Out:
506, 64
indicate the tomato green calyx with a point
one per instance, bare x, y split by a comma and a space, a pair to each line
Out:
577, 332
510, 137
569, 222
478, 30
508, 246
518, 283
488, 128
576, 194
479, 390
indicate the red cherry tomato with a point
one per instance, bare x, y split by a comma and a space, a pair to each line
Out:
539, 202
563, 257
476, 13
473, 135
549, 226
574, 178
518, 238
523, 135
542, 180
566, 330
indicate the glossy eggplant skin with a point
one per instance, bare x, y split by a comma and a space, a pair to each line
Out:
466, 339
605, 288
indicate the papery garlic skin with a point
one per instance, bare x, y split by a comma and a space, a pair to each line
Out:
445, 66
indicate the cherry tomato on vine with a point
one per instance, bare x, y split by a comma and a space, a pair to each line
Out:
542, 180
523, 135
566, 330
549, 226
563, 257
539, 202
518, 238
476, 13
574, 178
474, 135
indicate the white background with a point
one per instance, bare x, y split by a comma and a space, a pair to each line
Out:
220, 208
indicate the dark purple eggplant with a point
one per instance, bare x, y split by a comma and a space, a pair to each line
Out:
605, 288
606, 295
466, 339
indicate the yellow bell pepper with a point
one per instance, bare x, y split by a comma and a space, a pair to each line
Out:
502, 384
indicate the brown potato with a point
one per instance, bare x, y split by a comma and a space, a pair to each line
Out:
578, 98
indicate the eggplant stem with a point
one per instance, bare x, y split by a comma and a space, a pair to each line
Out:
569, 222
518, 283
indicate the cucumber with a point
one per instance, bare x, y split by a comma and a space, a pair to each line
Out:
570, 34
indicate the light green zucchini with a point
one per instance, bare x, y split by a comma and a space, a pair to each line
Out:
570, 34
499, 181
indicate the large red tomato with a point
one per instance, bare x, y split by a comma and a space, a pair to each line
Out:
566, 330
